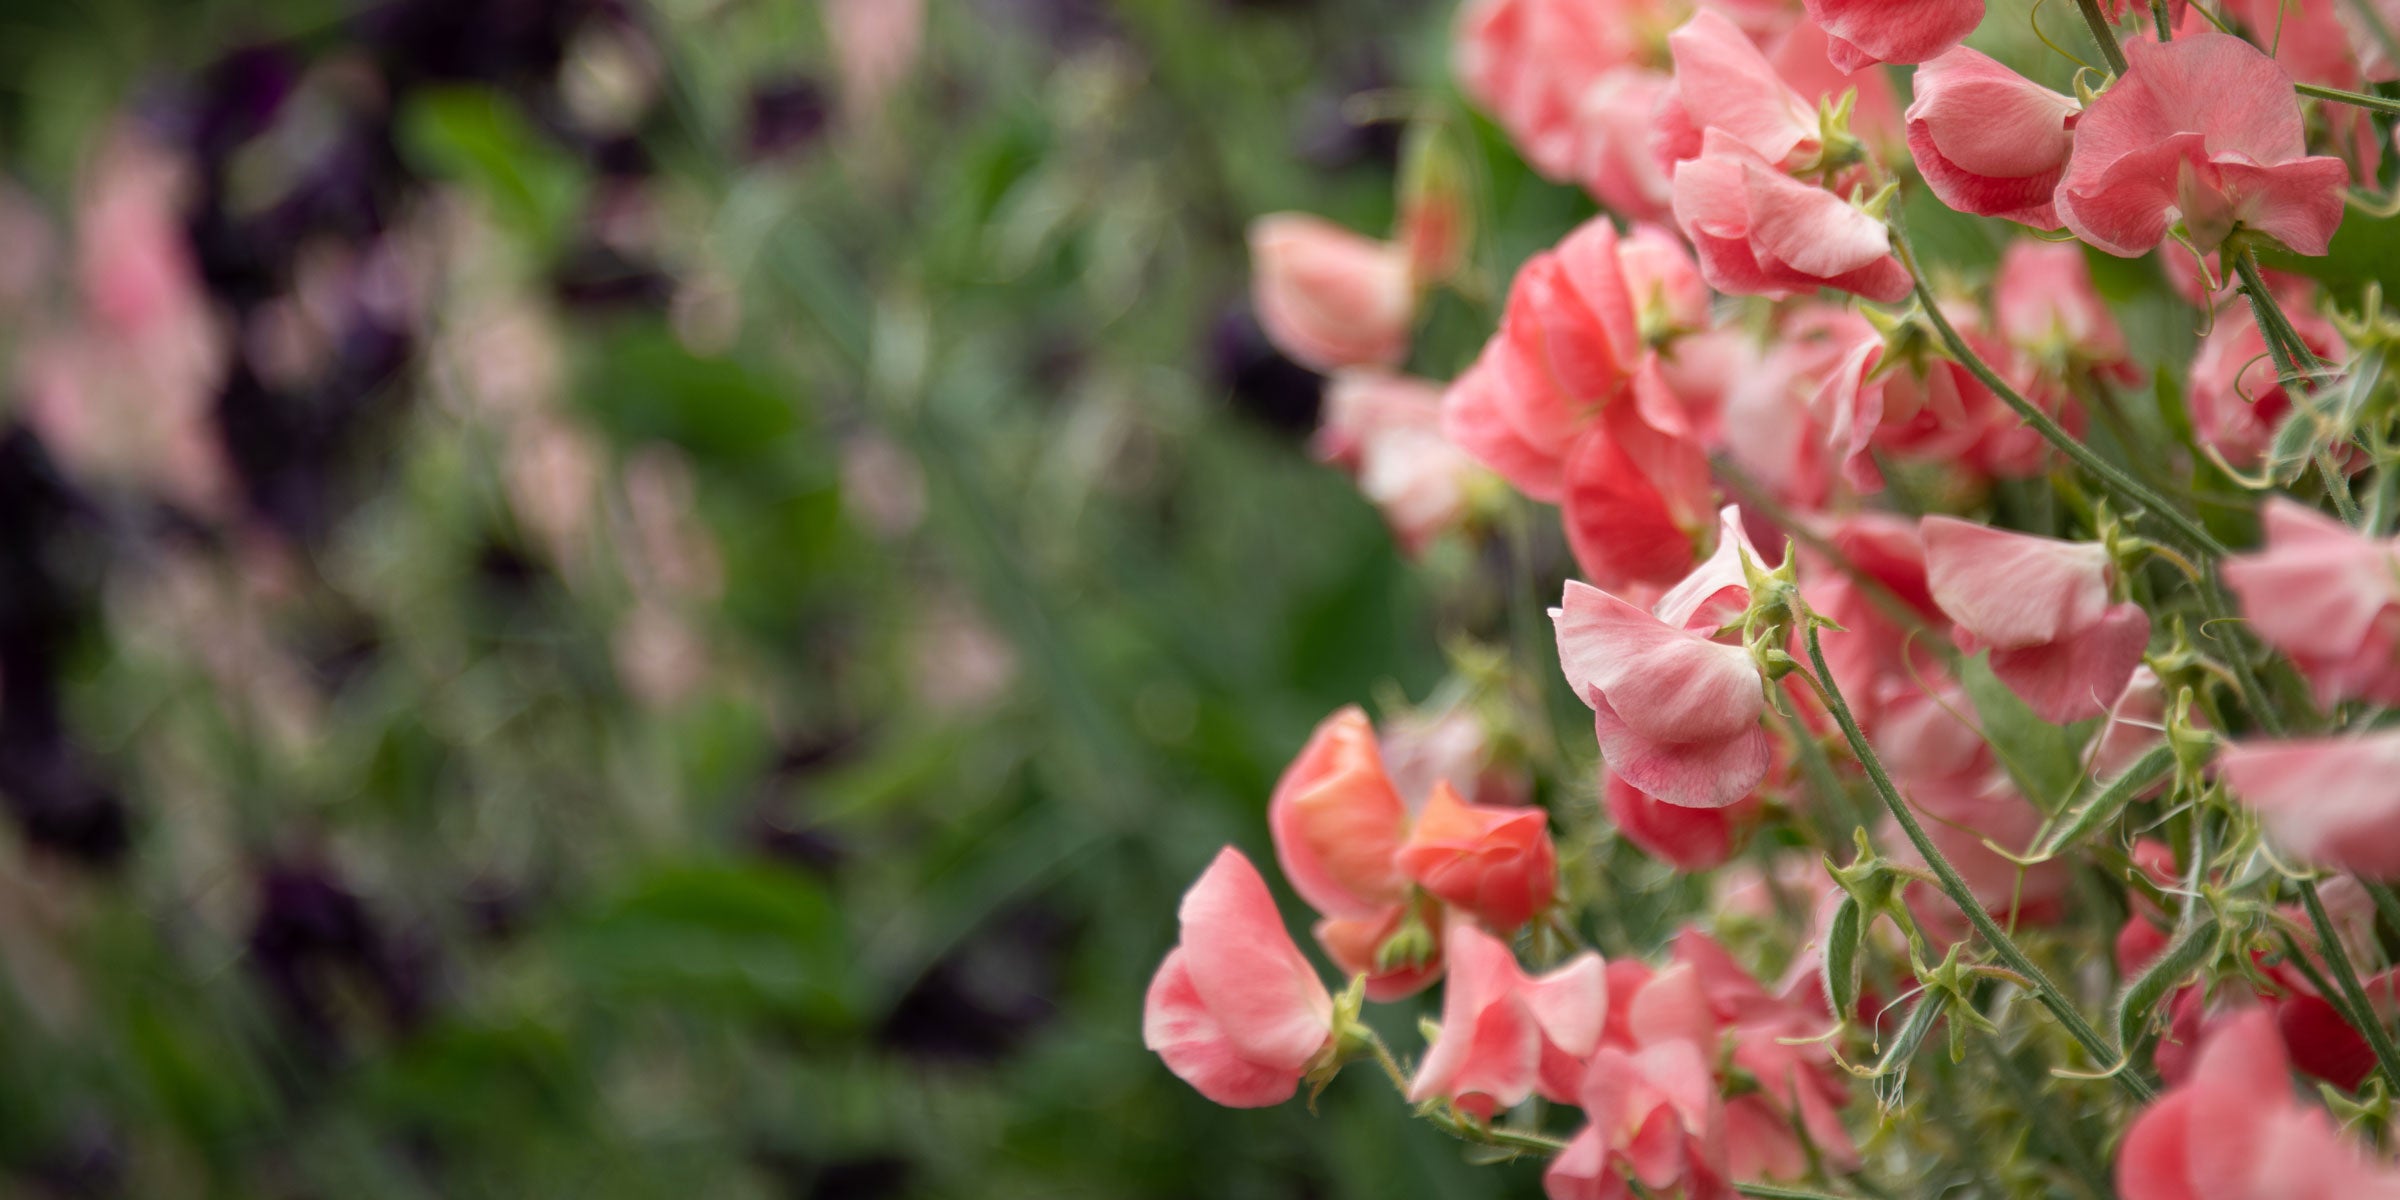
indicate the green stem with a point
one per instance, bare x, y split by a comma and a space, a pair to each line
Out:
2126, 487
2387, 1056
1770, 1191
2382, 104
2294, 363
1954, 885
2103, 33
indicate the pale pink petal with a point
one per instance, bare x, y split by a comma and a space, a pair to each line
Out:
1901, 31
2077, 677
2327, 800
1179, 1028
1268, 999
1672, 685
2014, 589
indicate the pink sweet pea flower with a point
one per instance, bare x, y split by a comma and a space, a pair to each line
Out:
1328, 297
2234, 1131
1689, 839
1235, 1010
1760, 232
1386, 430
2236, 397
1988, 140
1492, 862
1900, 31
1571, 403
1529, 63
2328, 597
1725, 84
1653, 1115
1506, 1036
1613, 160
1676, 712
2204, 129
2328, 800
2042, 607
1356, 946
2045, 305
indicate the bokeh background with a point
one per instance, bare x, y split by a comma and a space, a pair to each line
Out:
659, 597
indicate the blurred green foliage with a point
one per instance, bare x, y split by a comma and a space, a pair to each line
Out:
482, 921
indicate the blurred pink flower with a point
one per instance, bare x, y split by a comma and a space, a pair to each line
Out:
1327, 297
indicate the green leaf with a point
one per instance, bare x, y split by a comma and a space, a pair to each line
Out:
2193, 947
740, 938
478, 138
2044, 759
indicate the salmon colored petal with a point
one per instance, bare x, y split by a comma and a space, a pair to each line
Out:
1338, 821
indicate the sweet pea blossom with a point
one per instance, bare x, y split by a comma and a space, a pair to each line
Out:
1724, 82
1573, 403
1385, 429
2236, 396
1354, 847
1689, 839
2235, 1132
1529, 63
1327, 297
2044, 304
1653, 1115
2203, 130
1988, 140
1235, 1011
1495, 863
1676, 711
2328, 597
2042, 606
2328, 800
1900, 31
1760, 232
1505, 1035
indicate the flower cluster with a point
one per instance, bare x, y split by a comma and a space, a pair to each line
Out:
1908, 604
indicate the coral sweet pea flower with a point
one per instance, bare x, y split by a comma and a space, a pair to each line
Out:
2328, 800
1760, 232
1328, 297
2204, 129
1530, 62
1235, 1010
1506, 1035
1493, 862
2042, 606
1652, 1115
1723, 82
1988, 140
2235, 1132
1573, 404
1676, 711
1689, 839
2328, 597
1900, 31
